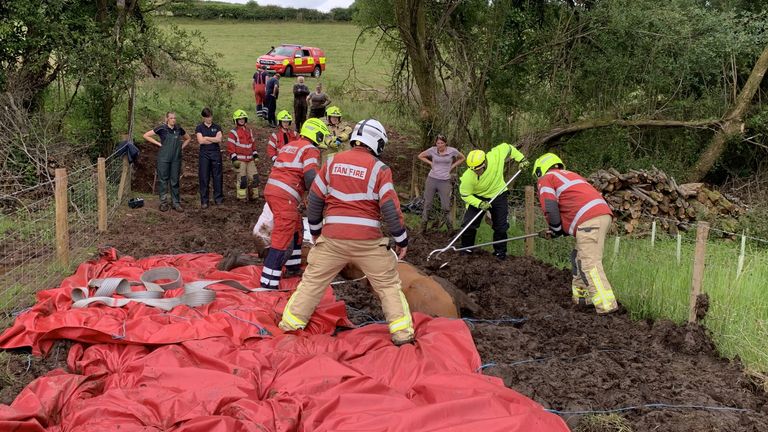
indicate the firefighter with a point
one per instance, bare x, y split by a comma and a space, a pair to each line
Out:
479, 184
242, 152
259, 82
353, 191
338, 140
573, 207
282, 136
292, 175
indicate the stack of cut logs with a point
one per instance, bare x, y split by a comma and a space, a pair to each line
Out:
641, 196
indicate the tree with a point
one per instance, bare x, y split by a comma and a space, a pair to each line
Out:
99, 46
449, 51
733, 123
632, 71
542, 70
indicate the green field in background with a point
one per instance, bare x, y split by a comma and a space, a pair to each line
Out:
241, 43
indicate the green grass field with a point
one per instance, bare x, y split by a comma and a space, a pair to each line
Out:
241, 43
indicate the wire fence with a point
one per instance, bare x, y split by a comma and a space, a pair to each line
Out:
653, 278
29, 258
652, 273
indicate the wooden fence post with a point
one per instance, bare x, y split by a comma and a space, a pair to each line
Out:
529, 219
702, 233
62, 217
101, 194
125, 180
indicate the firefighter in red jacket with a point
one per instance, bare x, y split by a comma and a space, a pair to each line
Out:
282, 136
242, 152
292, 175
259, 90
353, 192
573, 207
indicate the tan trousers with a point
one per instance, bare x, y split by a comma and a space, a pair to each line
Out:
246, 171
590, 285
324, 262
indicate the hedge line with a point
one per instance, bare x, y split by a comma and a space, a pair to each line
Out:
253, 12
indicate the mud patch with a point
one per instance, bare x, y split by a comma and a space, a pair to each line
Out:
702, 306
569, 359
19, 368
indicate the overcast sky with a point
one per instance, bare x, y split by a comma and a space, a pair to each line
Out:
323, 5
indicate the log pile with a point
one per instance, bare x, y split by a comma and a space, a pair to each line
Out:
641, 196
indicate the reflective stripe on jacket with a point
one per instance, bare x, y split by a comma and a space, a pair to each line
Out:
278, 139
294, 169
492, 181
355, 191
567, 200
341, 131
240, 144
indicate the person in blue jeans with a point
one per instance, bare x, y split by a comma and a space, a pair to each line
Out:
209, 136
173, 139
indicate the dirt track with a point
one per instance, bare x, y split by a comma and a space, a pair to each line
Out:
564, 357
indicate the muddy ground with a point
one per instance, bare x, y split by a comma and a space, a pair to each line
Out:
562, 356
144, 168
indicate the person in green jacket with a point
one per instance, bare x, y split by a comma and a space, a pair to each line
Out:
479, 184
173, 139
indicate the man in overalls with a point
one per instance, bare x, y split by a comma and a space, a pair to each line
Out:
173, 139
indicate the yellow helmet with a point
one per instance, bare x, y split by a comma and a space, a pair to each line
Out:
284, 115
239, 114
545, 162
475, 158
314, 130
333, 111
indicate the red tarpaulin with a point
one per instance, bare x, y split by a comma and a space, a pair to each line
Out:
227, 367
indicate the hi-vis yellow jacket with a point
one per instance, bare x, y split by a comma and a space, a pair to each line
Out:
492, 181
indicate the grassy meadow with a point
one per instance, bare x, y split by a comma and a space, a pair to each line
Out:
241, 43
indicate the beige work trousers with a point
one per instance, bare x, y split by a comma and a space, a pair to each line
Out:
590, 285
324, 262
246, 170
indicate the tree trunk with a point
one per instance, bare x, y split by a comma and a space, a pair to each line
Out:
733, 124
412, 25
531, 142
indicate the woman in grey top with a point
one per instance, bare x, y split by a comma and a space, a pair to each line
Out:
318, 102
443, 160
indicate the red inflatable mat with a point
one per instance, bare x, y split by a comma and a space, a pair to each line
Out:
227, 367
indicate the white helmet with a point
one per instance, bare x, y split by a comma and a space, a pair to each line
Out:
370, 133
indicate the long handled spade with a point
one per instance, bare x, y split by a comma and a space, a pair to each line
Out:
450, 245
522, 237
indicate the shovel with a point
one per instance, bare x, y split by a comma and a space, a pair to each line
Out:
450, 245
522, 237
